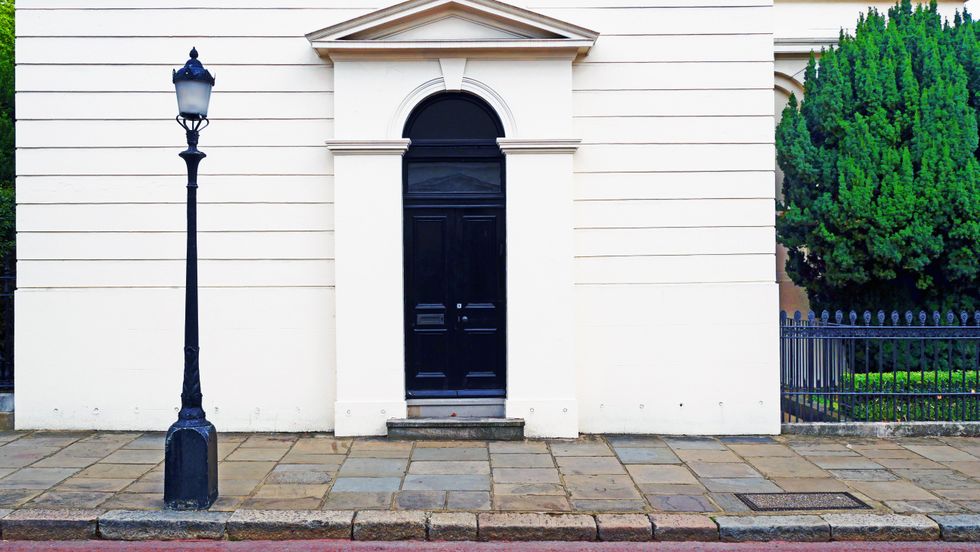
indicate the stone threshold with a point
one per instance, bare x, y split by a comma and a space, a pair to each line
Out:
456, 428
380, 525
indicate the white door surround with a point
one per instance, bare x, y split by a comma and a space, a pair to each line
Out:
520, 63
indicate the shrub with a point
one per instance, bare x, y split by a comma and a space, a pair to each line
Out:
933, 405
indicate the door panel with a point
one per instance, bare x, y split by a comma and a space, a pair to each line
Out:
455, 301
479, 289
427, 275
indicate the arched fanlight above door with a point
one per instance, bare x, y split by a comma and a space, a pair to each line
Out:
453, 148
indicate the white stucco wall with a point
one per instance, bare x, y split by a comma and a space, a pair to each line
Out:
674, 295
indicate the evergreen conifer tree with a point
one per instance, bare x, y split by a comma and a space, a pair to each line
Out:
881, 205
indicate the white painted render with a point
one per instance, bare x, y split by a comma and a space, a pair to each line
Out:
641, 289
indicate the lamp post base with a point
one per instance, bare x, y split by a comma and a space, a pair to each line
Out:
191, 465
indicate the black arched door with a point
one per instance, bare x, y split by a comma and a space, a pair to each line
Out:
455, 254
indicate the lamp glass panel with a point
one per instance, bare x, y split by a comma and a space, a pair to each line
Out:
193, 98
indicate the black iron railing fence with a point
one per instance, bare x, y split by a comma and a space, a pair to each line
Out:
880, 367
8, 283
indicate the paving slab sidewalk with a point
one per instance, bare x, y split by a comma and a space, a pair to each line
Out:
72, 485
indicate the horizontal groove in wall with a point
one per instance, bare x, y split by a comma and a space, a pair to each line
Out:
321, 146
672, 227
167, 147
174, 174
642, 255
686, 283
251, 37
719, 171
272, 175
680, 116
259, 119
582, 63
331, 231
28, 288
217, 93
379, 6
574, 90
287, 259
168, 259
50, 203
626, 145
575, 200
655, 199
279, 231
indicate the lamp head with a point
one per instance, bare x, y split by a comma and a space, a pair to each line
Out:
193, 84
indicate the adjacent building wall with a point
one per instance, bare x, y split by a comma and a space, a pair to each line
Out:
674, 266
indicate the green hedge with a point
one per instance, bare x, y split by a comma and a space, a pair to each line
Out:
931, 407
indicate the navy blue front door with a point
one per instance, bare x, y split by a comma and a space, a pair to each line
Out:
454, 284
455, 250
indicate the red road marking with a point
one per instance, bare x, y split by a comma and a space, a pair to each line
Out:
348, 546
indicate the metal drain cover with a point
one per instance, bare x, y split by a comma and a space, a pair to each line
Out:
774, 502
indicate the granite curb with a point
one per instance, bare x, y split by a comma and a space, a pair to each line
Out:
958, 527
795, 528
289, 524
624, 527
684, 527
536, 527
385, 525
452, 526
161, 525
882, 527
40, 524
32, 524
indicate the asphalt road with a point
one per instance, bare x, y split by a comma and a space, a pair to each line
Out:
348, 546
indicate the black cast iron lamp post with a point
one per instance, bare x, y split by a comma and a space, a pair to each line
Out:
191, 466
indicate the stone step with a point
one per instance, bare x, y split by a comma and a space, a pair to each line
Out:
456, 408
457, 428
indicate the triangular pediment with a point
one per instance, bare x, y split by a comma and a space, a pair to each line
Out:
453, 26
421, 25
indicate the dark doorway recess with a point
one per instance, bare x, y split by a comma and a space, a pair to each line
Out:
455, 252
